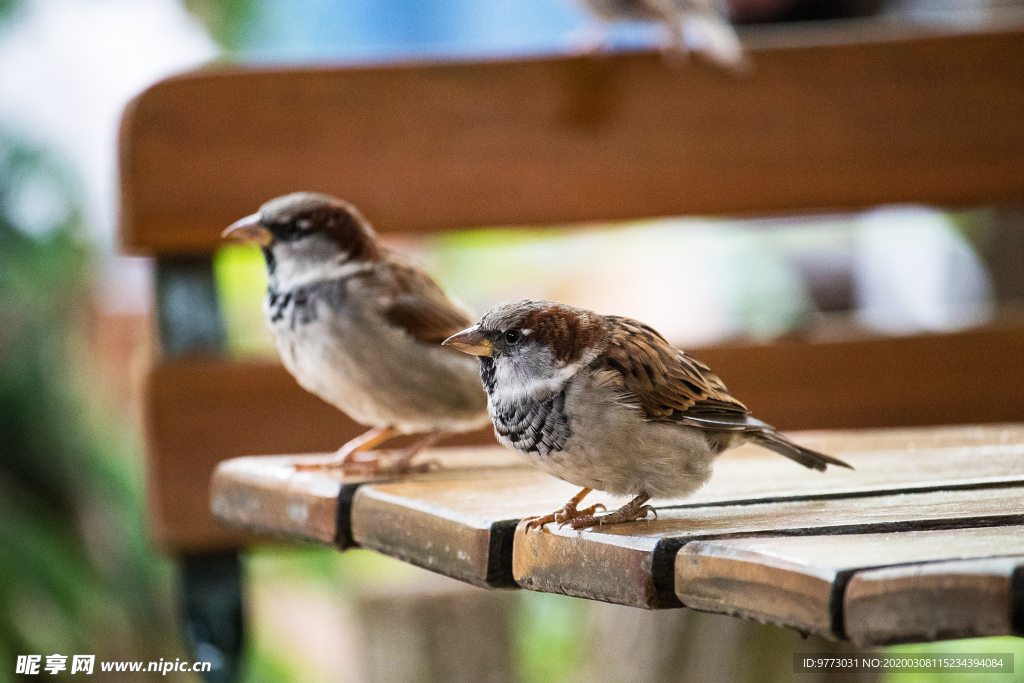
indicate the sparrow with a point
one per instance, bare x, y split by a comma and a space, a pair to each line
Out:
606, 403
361, 328
700, 26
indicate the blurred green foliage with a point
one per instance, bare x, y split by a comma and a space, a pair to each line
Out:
241, 281
7, 8
547, 642
77, 574
977, 646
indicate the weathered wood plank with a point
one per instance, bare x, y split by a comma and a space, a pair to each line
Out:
935, 601
632, 563
557, 140
267, 494
462, 527
201, 411
799, 581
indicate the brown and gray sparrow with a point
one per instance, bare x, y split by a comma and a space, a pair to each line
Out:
700, 26
606, 403
361, 328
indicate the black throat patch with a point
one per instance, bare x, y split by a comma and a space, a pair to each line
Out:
487, 373
534, 425
298, 306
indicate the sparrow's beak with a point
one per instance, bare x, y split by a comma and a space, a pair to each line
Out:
470, 341
249, 229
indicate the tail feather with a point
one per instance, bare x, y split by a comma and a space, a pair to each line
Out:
794, 451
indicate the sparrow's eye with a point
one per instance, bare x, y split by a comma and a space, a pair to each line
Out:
513, 336
285, 231
292, 230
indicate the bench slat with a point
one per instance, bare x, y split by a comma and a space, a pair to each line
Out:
935, 601
632, 564
799, 581
267, 494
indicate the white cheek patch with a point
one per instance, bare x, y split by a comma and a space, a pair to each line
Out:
294, 273
513, 384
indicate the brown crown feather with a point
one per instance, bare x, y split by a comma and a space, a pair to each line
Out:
566, 331
332, 217
343, 223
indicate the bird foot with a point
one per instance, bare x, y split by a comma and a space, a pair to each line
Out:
563, 516
626, 513
374, 464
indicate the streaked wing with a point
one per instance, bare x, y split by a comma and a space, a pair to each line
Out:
668, 384
415, 303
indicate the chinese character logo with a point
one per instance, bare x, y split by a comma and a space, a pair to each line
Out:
82, 663
55, 663
28, 664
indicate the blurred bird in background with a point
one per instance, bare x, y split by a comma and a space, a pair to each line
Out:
700, 26
362, 329
705, 27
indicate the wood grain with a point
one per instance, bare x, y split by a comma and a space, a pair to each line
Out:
799, 581
935, 601
540, 141
201, 411
462, 528
267, 493
631, 564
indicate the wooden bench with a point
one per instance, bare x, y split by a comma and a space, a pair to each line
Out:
842, 119
918, 497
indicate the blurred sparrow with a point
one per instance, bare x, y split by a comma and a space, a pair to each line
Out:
700, 26
362, 329
606, 403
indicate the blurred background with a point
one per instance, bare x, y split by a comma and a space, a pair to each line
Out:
78, 572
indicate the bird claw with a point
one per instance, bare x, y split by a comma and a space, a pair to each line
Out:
538, 522
349, 468
584, 522
563, 516
377, 466
391, 466
426, 467
333, 464
564, 519
623, 514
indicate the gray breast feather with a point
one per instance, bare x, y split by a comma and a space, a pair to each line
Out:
333, 340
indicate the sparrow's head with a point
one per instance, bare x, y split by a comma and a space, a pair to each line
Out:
304, 232
532, 345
